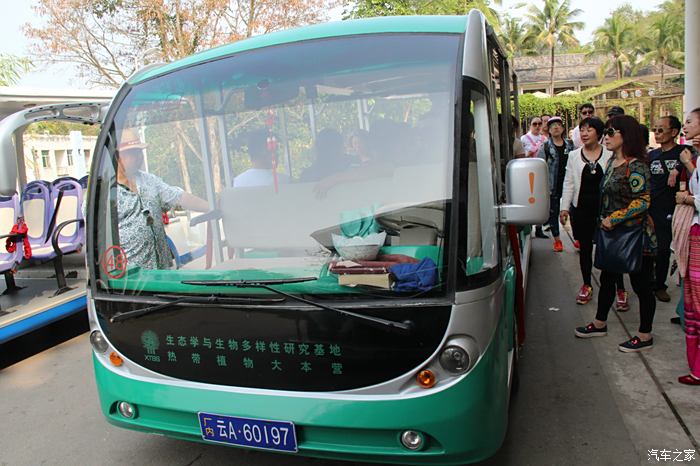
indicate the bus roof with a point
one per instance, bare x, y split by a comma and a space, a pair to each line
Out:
390, 24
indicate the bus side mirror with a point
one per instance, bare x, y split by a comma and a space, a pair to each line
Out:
527, 192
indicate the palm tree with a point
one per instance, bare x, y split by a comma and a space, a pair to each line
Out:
552, 26
615, 38
675, 8
664, 43
515, 37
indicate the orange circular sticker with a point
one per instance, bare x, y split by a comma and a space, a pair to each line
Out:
114, 262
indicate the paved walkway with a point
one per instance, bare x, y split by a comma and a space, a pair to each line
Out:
659, 412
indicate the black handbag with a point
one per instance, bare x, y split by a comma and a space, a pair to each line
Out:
620, 249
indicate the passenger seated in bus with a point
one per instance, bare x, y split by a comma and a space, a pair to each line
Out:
359, 147
330, 157
388, 145
260, 154
141, 197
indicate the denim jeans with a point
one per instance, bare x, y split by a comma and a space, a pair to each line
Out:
554, 202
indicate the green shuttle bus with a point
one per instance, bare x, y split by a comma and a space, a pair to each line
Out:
321, 245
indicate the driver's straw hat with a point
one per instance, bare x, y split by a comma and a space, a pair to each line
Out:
130, 140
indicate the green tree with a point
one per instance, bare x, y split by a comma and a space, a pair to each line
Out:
62, 127
675, 8
665, 44
615, 39
11, 68
552, 26
371, 8
516, 38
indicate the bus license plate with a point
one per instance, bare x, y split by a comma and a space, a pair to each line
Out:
254, 433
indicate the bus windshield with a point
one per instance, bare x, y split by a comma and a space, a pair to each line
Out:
329, 158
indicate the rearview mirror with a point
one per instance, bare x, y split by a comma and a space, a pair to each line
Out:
527, 192
267, 94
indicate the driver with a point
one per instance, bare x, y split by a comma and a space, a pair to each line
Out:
141, 197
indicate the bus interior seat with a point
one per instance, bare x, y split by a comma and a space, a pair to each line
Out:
71, 236
53, 232
9, 212
179, 238
415, 225
37, 208
298, 219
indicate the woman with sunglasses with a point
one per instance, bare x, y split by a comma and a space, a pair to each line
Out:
625, 199
691, 283
581, 196
534, 138
532, 141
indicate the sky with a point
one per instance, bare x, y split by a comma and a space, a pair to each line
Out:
13, 41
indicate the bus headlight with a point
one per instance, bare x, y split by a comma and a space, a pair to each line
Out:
459, 355
454, 359
98, 342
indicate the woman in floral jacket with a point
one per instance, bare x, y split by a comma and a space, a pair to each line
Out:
625, 199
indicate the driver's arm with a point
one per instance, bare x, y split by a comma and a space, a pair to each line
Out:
191, 202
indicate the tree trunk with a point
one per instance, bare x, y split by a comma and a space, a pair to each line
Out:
663, 63
215, 154
182, 161
251, 18
35, 159
551, 71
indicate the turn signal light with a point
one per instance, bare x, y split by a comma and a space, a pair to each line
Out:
426, 378
115, 359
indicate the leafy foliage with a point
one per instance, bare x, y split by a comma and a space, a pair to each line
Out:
633, 39
614, 39
62, 127
109, 39
562, 105
553, 27
372, 8
516, 39
12, 67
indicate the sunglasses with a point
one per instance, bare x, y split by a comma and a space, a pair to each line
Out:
659, 130
536, 123
586, 112
610, 132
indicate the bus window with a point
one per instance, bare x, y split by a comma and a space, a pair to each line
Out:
482, 253
267, 147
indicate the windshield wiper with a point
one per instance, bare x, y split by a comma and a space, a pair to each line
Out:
211, 299
403, 328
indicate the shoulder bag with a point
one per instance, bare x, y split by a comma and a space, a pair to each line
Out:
619, 250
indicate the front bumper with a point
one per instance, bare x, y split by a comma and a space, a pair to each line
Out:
464, 422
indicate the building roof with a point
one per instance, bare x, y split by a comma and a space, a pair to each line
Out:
574, 67
14, 99
390, 24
